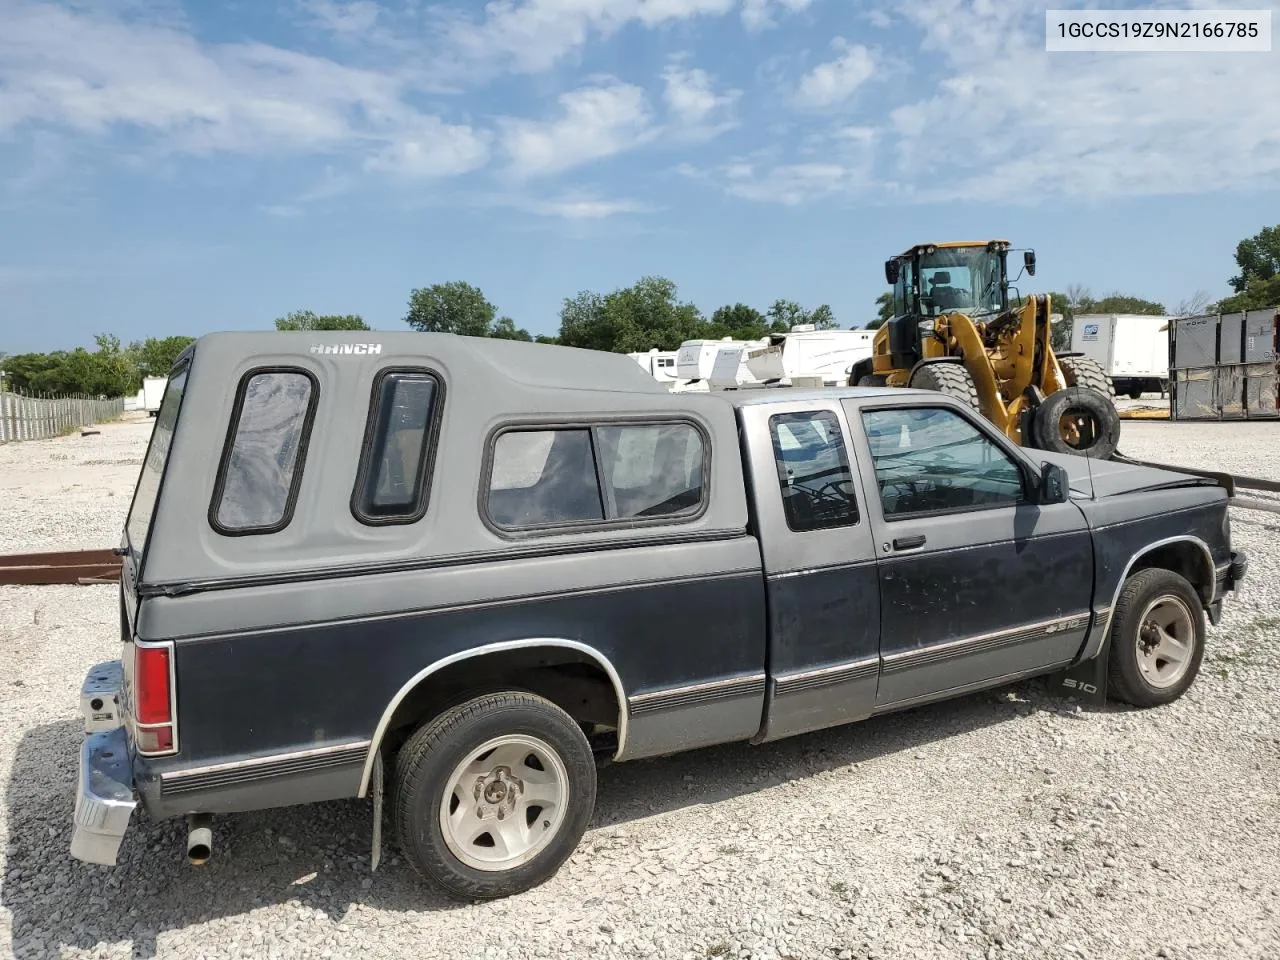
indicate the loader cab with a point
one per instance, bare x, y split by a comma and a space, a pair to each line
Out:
930, 280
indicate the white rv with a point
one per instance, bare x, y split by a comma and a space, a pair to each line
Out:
696, 358
659, 364
808, 356
1132, 348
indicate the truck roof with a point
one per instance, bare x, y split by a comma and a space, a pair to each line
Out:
754, 397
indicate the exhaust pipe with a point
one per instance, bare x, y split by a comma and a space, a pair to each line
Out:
199, 838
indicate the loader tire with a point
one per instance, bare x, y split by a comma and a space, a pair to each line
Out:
949, 378
1077, 421
873, 380
1087, 372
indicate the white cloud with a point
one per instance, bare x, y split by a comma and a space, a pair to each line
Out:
834, 82
691, 97
1027, 125
595, 122
533, 35
353, 18
758, 14
99, 75
582, 206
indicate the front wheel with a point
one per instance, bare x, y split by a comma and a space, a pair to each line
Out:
492, 796
1157, 639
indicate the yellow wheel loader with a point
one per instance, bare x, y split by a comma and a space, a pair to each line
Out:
953, 330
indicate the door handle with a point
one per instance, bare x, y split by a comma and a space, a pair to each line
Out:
909, 543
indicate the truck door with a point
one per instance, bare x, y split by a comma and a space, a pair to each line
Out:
820, 566
978, 584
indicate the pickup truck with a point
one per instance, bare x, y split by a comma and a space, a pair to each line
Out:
458, 572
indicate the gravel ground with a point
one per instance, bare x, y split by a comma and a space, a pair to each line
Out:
1011, 824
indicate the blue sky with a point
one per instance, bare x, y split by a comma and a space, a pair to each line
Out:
172, 167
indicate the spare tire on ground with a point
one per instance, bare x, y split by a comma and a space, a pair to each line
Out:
1079, 421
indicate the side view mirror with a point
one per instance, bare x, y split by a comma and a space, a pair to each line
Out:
891, 271
1029, 261
1054, 483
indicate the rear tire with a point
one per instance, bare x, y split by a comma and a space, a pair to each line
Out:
469, 769
949, 378
1094, 413
1157, 639
1086, 372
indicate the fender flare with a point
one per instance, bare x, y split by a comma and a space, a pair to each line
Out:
504, 646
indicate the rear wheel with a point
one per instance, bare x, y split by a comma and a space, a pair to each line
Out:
1079, 421
1157, 639
493, 795
949, 378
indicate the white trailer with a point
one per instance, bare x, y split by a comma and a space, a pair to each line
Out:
152, 393
1133, 349
810, 356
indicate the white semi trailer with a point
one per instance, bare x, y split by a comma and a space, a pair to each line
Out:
1133, 349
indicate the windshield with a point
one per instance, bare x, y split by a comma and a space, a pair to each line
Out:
966, 279
144, 497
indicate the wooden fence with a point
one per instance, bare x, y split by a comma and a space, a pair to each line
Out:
38, 418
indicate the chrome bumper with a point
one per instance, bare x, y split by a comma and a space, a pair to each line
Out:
105, 800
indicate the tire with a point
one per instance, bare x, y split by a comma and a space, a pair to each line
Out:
1134, 676
432, 762
1086, 372
1084, 404
872, 380
949, 378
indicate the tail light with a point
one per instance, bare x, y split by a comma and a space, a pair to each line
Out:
153, 719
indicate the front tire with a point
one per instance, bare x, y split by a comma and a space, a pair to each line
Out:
1157, 639
493, 795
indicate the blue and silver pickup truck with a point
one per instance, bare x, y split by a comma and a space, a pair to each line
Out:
451, 574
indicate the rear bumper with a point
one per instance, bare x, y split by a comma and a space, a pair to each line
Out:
105, 798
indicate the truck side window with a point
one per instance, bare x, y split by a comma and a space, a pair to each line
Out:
393, 482
651, 470
813, 471
932, 460
262, 463
542, 477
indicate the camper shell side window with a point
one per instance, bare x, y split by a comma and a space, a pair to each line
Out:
397, 457
541, 478
265, 451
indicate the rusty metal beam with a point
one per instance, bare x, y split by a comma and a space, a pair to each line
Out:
67, 566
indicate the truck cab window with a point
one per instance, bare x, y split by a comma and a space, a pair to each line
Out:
932, 460
262, 464
813, 471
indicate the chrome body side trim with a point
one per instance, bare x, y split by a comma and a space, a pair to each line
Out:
785, 683
907, 659
692, 694
215, 776
502, 647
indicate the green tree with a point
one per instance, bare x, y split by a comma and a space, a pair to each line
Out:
454, 307
1258, 295
1123, 303
785, 314
108, 371
505, 329
634, 319
307, 320
740, 322
1258, 258
884, 310
155, 356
